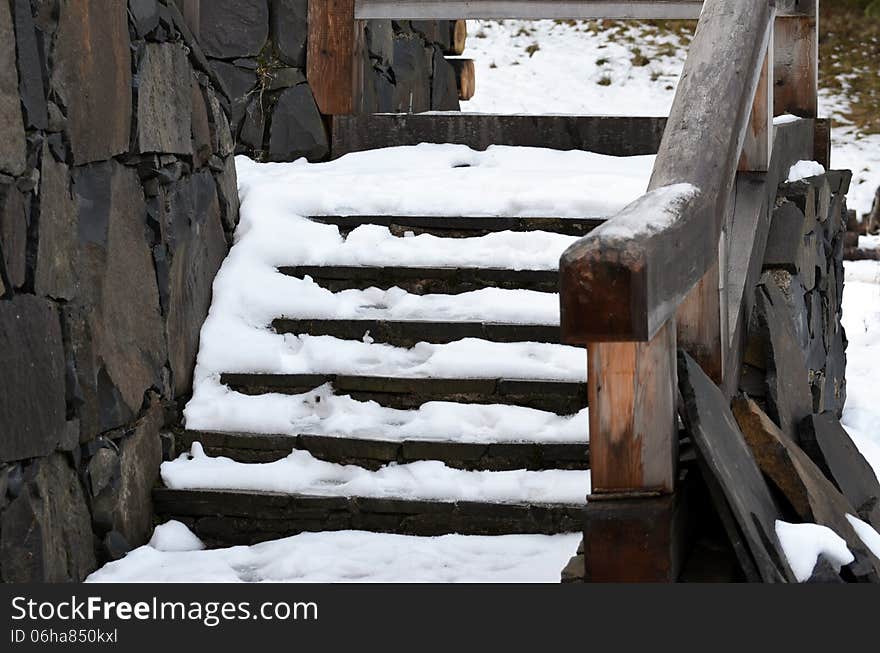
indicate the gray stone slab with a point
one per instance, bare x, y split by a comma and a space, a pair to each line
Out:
13, 149
297, 129
289, 29
56, 264
165, 105
233, 28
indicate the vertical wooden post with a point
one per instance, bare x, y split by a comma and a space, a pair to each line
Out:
796, 61
631, 525
758, 144
333, 63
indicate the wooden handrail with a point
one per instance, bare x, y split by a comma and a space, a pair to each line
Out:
624, 286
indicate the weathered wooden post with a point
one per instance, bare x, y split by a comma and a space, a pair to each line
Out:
796, 58
333, 62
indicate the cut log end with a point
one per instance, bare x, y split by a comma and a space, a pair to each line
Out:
465, 77
457, 38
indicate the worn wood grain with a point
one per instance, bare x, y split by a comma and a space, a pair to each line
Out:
465, 77
796, 64
333, 59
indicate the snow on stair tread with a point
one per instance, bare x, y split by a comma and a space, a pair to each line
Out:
461, 226
302, 474
354, 556
217, 408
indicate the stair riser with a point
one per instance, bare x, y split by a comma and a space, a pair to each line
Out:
427, 281
374, 454
226, 518
405, 394
460, 227
409, 333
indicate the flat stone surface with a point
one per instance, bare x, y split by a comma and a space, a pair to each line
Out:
144, 15
233, 28
95, 89
32, 408
13, 233
202, 142
239, 82
13, 150
165, 105
45, 532
829, 446
297, 128
30, 67
412, 74
729, 460
813, 497
227, 194
783, 242
444, 87
789, 398
289, 29
141, 455
116, 329
57, 246
197, 248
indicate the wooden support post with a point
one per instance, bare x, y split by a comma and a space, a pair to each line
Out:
758, 144
631, 388
796, 65
699, 325
465, 77
333, 65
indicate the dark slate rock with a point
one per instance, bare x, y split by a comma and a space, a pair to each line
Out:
13, 152
221, 135
444, 88
813, 497
788, 390
96, 90
31, 69
144, 15
297, 127
227, 193
824, 572
253, 128
239, 83
201, 128
289, 29
165, 100
197, 247
56, 249
115, 545
281, 78
102, 469
835, 373
45, 532
233, 28
412, 74
728, 459
782, 247
379, 39
115, 328
141, 455
830, 447
32, 408
13, 233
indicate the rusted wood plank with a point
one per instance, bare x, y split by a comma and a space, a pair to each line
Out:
613, 135
796, 63
631, 390
333, 65
617, 288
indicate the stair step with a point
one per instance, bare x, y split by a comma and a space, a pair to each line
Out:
426, 281
407, 333
614, 135
461, 226
561, 397
227, 518
375, 453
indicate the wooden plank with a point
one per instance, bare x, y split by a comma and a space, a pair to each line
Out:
625, 287
699, 325
796, 64
465, 77
758, 145
613, 135
632, 414
333, 66
728, 459
557, 9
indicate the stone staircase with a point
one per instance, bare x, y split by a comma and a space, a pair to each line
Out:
226, 517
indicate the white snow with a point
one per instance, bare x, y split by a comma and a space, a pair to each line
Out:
804, 543
428, 480
174, 536
785, 119
649, 214
355, 557
866, 533
805, 169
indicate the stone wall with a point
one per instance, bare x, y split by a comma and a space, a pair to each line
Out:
795, 363
258, 49
117, 203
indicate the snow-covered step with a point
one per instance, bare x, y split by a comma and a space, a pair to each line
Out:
374, 453
175, 556
461, 227
561, 397
407, 333
425, 280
